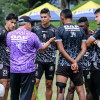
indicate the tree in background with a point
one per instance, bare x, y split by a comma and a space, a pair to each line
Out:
1, 13
66, 3
18, 7
12, 6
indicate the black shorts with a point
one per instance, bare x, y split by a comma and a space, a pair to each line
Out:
22, 84
4, 72
86, 75
49, 69
95, 85
77, 78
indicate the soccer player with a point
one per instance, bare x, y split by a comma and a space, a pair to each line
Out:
95, 68
71, 43
86, 63
23, 45
45, 61
11, 20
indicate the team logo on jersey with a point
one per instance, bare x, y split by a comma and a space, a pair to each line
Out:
36, 73
5, 72
36, 65
73, 34
51, 68
44, 36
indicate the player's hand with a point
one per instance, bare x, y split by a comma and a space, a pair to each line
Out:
74, 66
52, 40
96, 41
91, 31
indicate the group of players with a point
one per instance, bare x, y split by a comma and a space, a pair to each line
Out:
78, 56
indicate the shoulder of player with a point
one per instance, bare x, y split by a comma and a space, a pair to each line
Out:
2, 30
37, 27
81, 30
32, 34
61, 27
97, 30
52, 26
11, 32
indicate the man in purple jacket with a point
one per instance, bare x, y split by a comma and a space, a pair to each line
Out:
23, 45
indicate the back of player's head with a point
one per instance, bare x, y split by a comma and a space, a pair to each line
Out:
83, 19
97, 11
66, 13
12, 16
45, 11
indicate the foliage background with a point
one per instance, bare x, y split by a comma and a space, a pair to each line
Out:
22, 6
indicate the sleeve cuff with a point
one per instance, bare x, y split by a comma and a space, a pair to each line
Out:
83, 40
58, 40
40, 46
92, 37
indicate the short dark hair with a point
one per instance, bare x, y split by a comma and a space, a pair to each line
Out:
44, 11
97, 11
11, 16
66, 13
83, 19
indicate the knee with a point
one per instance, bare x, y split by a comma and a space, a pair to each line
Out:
49, 85
71, 89
6, 84
80, 90
61, 86
37, 84
87, 90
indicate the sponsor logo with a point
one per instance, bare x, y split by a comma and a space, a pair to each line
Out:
19, 46
36, 74
50, 75
36, 65
44, 31
71, 28
84, 11
5, 72
19, 38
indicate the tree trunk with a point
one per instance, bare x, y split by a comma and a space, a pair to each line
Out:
62, 4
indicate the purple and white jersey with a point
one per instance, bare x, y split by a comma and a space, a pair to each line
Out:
23, 45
